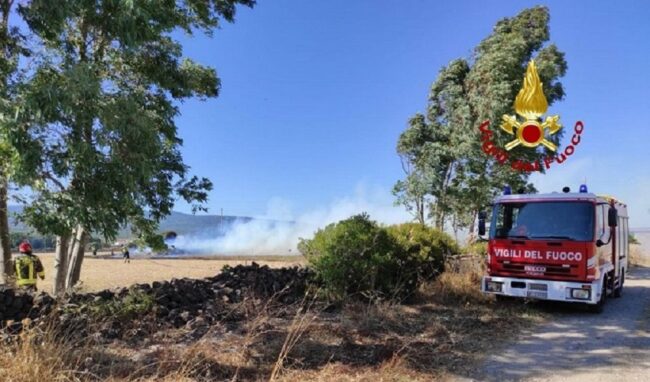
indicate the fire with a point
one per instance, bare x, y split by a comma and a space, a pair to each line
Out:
531, 102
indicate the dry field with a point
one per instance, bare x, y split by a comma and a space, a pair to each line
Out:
104, 272
640, 253
442, 335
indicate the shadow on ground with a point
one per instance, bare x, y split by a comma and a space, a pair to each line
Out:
575, 341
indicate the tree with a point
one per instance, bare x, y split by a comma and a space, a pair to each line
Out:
447, 151
13, 168
8, 64
100, 106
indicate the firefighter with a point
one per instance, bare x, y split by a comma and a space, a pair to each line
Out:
27, 267
126, 255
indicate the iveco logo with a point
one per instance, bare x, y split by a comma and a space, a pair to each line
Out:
533, 268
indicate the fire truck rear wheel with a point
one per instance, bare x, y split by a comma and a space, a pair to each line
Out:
618, 292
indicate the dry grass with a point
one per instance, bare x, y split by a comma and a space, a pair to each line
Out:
638, 256
105, 272
444, 332
37, 356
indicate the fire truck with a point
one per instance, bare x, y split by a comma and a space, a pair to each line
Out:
568, 246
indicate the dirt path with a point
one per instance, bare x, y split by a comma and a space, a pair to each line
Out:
579, 346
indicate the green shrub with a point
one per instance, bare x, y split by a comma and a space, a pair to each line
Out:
423, 249
356, 256
353, 256
135, 304
476, 249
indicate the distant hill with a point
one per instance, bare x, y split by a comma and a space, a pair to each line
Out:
14, 224
179, 222
182, 223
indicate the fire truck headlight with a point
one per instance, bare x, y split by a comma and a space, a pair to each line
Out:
493, 286
581, 294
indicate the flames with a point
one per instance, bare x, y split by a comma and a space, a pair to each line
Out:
531, 102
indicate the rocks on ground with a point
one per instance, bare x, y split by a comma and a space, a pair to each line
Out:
136, 311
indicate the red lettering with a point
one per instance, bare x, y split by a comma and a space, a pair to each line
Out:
488, 147
579, 124
536, 166
501, 156
548, 161
575, 140
484, 126
569, 152
558, 160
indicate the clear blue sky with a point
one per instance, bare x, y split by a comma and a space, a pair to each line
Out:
315, 94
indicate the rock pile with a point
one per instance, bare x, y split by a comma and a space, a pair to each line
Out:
181, 301
16, 305
195, 303
287, 285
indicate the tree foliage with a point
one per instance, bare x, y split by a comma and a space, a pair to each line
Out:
356, 256
442, 147
95, 117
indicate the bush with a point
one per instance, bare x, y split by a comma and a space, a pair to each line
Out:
351, 256
356, 256
135, 304
476, 249
423, 249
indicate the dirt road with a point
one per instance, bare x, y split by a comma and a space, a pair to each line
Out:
574, 345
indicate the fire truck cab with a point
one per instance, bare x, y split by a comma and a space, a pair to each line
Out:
570, 247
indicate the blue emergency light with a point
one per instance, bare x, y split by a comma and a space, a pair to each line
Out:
583, 189
507, 190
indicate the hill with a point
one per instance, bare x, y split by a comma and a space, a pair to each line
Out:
179, 222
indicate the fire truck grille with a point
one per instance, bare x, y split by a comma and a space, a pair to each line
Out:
542, 287
551, 270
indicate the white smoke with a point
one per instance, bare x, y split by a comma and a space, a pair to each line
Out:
277, 232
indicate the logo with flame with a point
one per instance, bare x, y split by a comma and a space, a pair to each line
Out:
531, 105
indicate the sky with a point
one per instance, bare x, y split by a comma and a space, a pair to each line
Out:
316, 93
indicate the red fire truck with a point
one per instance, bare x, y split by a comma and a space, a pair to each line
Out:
570, 247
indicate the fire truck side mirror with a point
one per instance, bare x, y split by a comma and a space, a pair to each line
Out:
612, 217
481, 223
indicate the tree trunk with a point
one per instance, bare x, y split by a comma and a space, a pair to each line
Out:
419, 205
75, 257
61, 263
80, 254
472, 224
440, 218
5, 242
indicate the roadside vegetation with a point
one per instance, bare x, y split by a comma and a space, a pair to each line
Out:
637, 256
424, 319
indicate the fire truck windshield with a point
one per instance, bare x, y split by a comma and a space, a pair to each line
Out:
543, 221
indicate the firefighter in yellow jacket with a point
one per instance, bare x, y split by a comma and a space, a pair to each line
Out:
27, 267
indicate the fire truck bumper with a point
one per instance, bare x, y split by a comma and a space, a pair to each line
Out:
542, 289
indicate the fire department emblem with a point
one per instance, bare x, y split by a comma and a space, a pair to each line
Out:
531, 104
